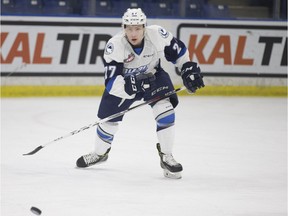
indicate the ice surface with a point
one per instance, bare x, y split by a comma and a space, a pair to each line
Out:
233, 150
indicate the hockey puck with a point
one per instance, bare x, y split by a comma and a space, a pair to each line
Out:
35, 210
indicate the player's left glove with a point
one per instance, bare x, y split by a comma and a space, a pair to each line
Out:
192, 77
138, 82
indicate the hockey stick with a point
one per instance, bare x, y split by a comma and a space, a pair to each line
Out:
107, 119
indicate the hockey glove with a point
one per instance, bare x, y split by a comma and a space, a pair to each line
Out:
138, 82
191, 76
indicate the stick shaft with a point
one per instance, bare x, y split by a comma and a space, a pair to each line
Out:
106, 119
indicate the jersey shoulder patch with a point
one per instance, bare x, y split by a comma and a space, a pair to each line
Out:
158, 30
114, 49
159, 36
163, 32
109, 48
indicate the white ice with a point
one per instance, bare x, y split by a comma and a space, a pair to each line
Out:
233, 150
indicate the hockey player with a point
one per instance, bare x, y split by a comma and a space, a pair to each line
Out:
133, 72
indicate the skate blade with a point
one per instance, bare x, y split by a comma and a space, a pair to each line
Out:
172, 175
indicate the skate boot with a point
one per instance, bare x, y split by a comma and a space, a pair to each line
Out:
171, 168
91, 159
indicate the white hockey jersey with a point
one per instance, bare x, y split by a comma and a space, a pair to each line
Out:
120, 58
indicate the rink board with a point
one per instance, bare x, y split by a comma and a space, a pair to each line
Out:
48, 91
68, 51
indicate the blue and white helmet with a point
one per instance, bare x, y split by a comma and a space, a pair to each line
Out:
134, 16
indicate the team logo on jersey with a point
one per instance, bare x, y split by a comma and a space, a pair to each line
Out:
109, 48
163, 32
141, 69
130, 58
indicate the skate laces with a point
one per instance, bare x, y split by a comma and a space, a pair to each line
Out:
169, 159
91, 158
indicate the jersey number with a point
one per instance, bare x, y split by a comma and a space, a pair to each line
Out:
110, 71
177, 48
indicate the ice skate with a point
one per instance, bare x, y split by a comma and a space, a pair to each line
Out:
91, 159
171, 168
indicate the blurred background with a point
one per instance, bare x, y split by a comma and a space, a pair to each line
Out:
53, 47
224, 9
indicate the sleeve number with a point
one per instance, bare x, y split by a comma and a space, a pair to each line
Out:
110, 71
177, 48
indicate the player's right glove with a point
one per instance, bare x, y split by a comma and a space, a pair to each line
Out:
191, 76
138, 82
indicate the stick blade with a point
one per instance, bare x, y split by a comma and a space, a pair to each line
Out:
34, 151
